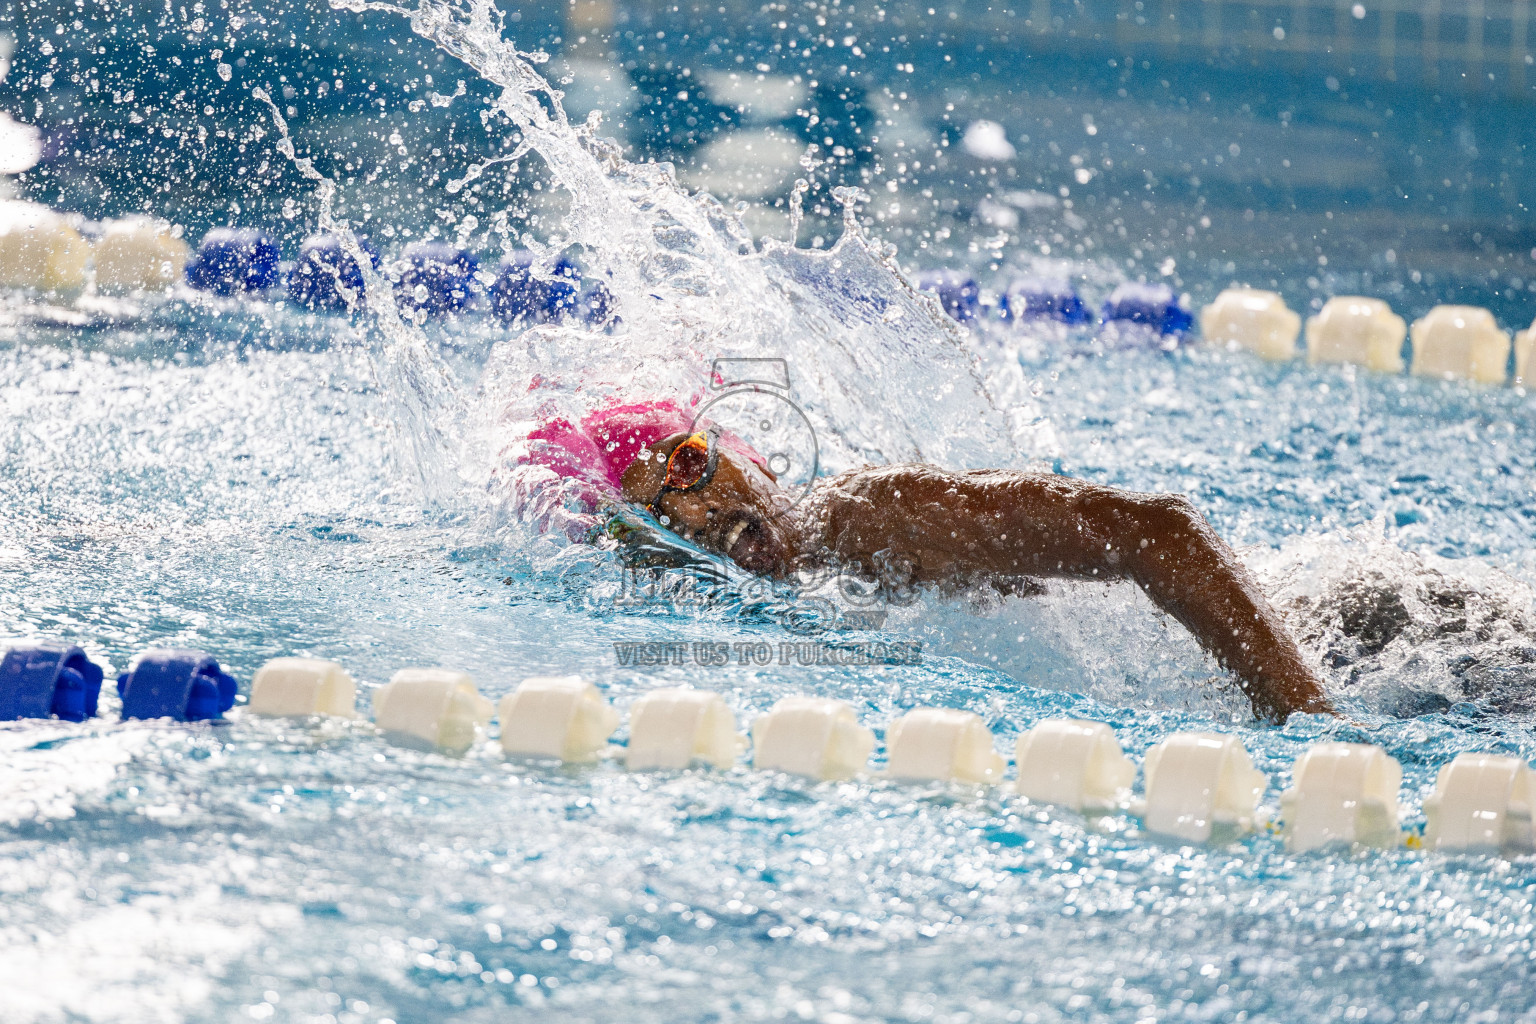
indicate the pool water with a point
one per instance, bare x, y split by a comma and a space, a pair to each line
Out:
256, 481
240, 498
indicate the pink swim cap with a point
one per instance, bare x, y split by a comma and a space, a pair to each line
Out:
602, 447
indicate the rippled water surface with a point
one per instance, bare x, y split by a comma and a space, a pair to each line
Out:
242, 497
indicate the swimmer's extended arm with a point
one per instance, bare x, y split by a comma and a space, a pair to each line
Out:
1007, 524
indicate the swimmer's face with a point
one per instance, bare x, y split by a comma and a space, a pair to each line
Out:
736, 514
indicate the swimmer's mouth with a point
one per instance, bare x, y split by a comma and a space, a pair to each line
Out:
750, 544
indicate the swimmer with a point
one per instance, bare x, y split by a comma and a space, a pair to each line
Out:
920, 525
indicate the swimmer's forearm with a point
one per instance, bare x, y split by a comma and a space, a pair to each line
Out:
1175, 556
957, 526
1212, 595
1164, 545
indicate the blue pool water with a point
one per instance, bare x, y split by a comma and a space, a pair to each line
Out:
203, 873
257, 481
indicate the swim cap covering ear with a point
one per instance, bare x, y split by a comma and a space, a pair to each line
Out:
606, 442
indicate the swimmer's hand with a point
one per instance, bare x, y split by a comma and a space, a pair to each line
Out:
642, 543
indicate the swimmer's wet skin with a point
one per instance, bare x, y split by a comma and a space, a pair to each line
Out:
990, 526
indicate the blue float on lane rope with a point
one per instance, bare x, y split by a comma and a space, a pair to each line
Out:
517, 296
1154, 305
185, 685
436, 277
1036, 298
232, 260
958, 293
48, 680
323, 269
596, 304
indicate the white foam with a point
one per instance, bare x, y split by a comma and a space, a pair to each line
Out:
1401, 618
40, 780
156, 957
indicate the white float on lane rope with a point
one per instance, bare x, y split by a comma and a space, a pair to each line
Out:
1197, 781
1460, 343
137, 253
944, 744
40, 249
1250, 318
1342, 793
672, 728
812, 736
562, 717
1073, 763
435, 707
291, 687
1359, 331
1482, 802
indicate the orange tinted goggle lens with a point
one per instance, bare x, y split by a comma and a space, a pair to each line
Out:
688, 462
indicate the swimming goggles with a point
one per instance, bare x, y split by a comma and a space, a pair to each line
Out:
690, 467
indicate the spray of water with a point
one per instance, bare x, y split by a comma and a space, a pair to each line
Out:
1407, 632
882, 373
428, 409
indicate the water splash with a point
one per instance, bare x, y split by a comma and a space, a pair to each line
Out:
797, 207
1409, 633
428, 409
882, 373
